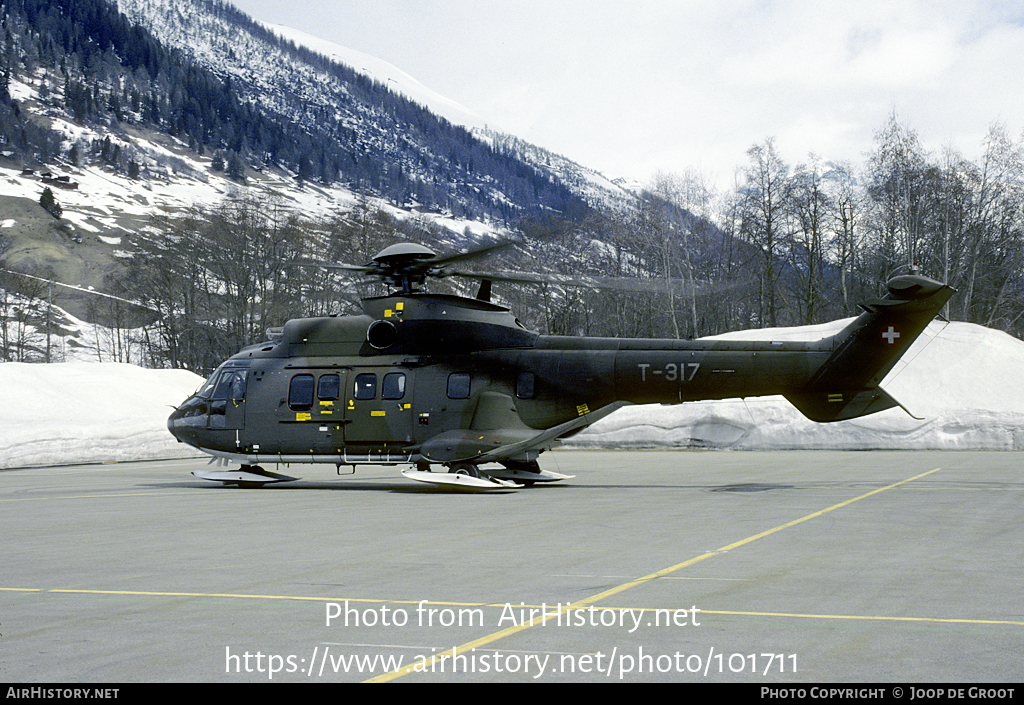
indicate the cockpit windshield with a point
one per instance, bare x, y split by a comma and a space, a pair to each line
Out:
229, 382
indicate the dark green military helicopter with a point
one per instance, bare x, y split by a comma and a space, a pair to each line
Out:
456, 388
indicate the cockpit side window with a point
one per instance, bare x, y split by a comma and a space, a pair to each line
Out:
226, 381
231, 385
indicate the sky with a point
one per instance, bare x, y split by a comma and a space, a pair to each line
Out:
644, 87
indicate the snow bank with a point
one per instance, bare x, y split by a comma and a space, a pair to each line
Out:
962, 379
81, 412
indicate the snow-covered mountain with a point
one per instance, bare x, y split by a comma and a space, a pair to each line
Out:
197, 82
297, 85
197, 103
381, 71
595, 187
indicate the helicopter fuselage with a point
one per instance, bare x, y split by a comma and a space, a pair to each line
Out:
425, 378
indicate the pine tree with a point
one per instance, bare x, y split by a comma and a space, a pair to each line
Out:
49, 203
235, 168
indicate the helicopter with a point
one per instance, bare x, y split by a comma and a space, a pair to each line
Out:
458, 390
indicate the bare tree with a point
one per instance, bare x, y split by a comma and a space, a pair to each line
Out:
846, 214
897, 172
991, 232
764, 200
687, 246
810, 205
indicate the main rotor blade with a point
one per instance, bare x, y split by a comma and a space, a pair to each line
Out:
655, 284
475, 252
364, 268
83, 290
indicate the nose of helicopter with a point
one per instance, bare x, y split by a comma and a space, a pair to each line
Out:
172, 424
188, 420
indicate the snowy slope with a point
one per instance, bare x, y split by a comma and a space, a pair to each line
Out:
592, 185
218, 44
110, 211
955, 377
388, 74
82, 412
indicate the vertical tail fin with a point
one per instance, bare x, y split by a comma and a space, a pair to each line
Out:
846, 385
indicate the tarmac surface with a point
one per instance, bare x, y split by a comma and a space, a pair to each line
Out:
769, 568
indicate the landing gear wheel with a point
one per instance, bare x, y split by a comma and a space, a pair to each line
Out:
465, 469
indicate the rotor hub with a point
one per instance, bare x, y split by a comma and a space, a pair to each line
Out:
404, 265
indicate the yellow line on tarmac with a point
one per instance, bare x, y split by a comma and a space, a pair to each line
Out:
424, 666
237, 595
942, 620
244, 596
91, 496
547, 615
185, 594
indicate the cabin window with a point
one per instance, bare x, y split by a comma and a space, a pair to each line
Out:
393, 386
366, 386
524, 385
458, 385
300, 393
329, 387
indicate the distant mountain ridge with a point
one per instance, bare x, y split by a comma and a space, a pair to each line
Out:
596, 188
382, 72
195, 106
229, 88
372, 124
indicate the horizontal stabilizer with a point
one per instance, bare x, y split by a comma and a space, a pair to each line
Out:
839, 406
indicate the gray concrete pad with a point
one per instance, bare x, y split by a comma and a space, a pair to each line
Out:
774, 568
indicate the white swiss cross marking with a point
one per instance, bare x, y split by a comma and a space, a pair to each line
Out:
890, 336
